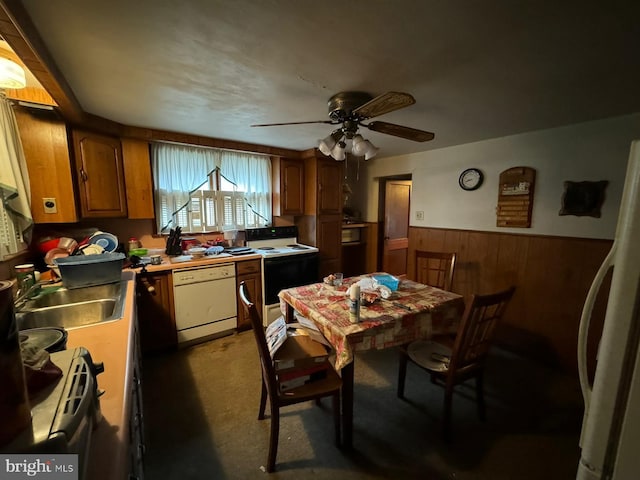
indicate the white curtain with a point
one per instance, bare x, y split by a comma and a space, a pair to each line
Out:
179, 170
16, 219
252, 175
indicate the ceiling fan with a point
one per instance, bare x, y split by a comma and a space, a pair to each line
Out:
351, 110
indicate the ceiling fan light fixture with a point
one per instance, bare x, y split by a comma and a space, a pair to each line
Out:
328, 143
371, 151
358, 147
362, 147
338, 152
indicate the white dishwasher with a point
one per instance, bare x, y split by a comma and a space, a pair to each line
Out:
205, 301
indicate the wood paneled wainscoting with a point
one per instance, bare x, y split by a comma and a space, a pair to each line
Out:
552, 276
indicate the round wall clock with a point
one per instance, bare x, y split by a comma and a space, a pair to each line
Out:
470, 179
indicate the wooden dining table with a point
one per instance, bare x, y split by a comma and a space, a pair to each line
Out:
413, 311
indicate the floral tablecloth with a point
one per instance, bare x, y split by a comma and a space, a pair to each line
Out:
413, 311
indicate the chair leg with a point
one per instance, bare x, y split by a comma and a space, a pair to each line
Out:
336, 416
402, 371
263, 401
273, 438
446, 421
480, 396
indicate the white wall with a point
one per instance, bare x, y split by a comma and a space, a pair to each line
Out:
592, 151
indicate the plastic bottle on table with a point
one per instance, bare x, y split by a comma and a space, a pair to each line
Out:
354, 303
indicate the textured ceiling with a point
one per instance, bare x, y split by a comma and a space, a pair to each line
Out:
477, 69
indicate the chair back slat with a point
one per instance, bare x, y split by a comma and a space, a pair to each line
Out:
268, 370
476, 329
435, 268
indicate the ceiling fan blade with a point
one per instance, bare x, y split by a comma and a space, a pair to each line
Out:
385, 103
400, 131
293, 123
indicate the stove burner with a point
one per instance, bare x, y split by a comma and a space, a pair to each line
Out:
266, 248
297, 247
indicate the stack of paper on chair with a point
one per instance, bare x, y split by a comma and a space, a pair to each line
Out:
311, 329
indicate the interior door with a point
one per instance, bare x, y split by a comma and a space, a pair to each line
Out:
395, 246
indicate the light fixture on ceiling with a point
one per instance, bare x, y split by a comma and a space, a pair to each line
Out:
335, 145
11, 74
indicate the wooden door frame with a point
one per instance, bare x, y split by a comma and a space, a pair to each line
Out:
382, 187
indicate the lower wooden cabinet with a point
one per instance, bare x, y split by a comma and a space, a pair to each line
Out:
156, 311
250, 272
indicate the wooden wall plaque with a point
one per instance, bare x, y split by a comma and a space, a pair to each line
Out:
515, 197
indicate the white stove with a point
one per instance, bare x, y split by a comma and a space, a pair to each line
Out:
285, 263
278, 248
276, 241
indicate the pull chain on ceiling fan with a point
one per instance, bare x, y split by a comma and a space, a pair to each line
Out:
350, 110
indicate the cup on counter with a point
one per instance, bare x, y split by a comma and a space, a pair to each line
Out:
337, 279
156, 259
25, 275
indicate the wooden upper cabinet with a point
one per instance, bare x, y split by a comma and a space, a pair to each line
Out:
44, 140
329, 187
100, 175
138, 179
288, 187
323, 186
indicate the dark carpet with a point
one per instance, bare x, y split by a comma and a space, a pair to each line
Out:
201, 407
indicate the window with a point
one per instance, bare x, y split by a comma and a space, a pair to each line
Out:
210, 190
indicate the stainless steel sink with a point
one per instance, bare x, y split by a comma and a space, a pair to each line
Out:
73, 308
64, 296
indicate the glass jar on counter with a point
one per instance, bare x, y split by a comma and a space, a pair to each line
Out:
133, 243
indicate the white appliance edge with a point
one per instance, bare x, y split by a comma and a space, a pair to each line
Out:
611, 424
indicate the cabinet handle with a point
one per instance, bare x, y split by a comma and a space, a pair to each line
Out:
83, 175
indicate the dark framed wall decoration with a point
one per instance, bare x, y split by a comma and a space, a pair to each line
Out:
583, 198
515, 197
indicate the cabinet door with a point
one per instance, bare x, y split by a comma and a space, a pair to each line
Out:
329, 187
329, 243
98, 162
250, 273
288, 188
138, 181
155, 312
44, 141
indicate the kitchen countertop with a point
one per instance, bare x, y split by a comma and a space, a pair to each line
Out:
167, 264
113, 344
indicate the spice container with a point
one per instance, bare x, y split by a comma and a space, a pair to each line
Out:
133, 244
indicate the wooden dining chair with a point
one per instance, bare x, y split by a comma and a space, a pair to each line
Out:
325, 387
466, 359
435, 268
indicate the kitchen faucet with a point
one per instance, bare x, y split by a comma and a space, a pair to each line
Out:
24, 293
